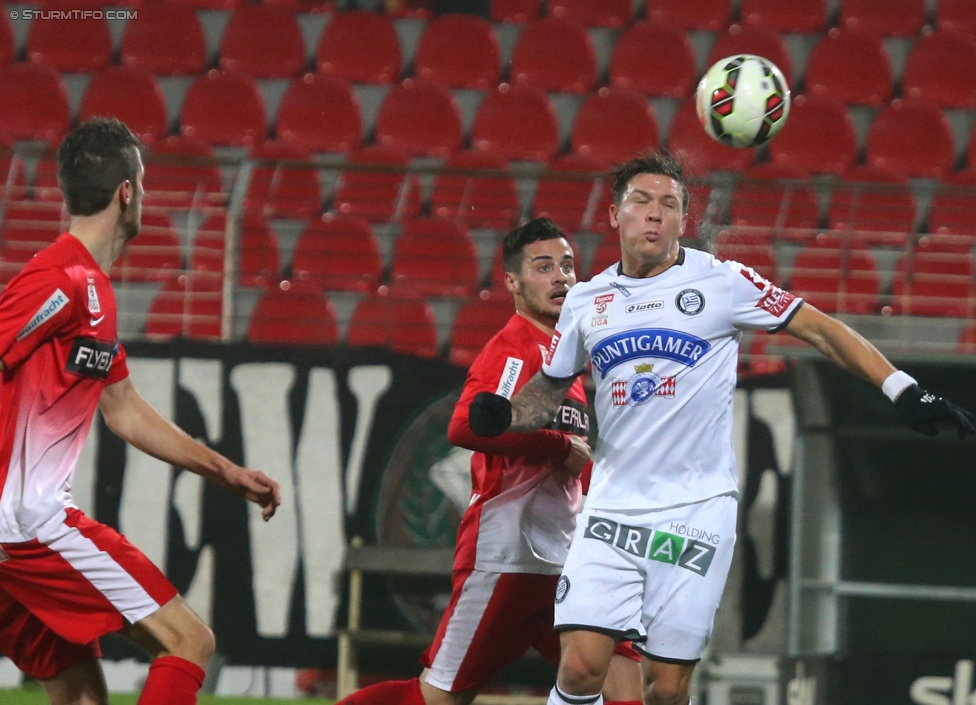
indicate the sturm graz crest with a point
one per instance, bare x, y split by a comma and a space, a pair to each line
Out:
690, 302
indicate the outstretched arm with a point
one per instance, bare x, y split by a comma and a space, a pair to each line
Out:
137, 422
533, 407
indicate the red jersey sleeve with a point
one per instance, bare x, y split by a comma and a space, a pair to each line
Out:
33, 308
120, 370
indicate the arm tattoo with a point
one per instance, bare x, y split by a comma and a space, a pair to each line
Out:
537, 402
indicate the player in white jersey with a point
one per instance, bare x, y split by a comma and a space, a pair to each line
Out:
653, 545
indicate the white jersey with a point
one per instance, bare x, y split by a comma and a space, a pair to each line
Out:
664, 352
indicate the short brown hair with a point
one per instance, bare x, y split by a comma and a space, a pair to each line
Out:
661, 162
93, 160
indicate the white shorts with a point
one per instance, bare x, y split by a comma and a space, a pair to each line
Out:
654, 577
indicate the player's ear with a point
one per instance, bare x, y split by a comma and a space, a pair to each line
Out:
510, 283
613, 215
125, 194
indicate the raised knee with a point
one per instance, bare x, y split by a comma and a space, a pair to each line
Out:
667, 691
579, 675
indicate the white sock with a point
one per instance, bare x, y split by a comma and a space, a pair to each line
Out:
558, 697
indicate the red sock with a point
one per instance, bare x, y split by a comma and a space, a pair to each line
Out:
387, 693
172, 681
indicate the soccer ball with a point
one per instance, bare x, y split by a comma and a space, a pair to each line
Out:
743, 101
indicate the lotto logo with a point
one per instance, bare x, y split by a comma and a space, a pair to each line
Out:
618, 390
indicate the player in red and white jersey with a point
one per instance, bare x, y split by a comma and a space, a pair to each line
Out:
526, 492
65, 580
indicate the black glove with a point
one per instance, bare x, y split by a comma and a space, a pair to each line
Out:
923, 410
489, 414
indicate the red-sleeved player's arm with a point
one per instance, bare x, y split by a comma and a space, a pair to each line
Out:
32, 309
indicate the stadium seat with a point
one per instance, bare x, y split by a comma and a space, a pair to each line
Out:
187, 306
555, 55
7, 45
183, 173
666, 47
361, 47
338, 253
279, 189
517, 123
830, 74
708, 15
634, 126
264, 42
156, 255
818, 137
967, 340
44, 185
477, 322
911, 137
434, 257
877, 203
258, 261
35, 103
565, 191
411, 9
760, 362
166, 40
293, 313
478, 201
405, 325
938, 69
13, 186
74, 46
700, 152
837, 274
748, 248
776, 196
953, 207
516, 11
748, 39
376, 186
320, 113
224, 108
935, 279
593, 13
894, 18
26, 228
304, 6
607, 252
419, 118
209, 4
460, 51
957, 16
132, 95
796, 16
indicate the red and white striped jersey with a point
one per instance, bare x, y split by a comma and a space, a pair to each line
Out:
59, 347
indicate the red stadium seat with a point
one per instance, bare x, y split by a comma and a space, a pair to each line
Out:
183, 173
293, 313
377, 187
837, 274
818, 137
460, 51
45, 183
264, 42
405, 325
166, 39
132, 95
709, 15
606, 254
338, 252
156, 255
361, 47
699, 151
957, 16
26, 228
830, 74
35, 102
477, 322
6, 40
462, 194
911, 137
800, 16
935, 279
877, 203
893, 18
566, 191
751, 249
72, 46
555, 55
776, 196
967, 340
634, 126
593, 13
258, 262
953, 207
434, 257
760, 362
209, 4
666, 48
280, 189
517, 11
13, 185
517, 123
188, 306
938, 70
320, 113
413, 9
748, 39
420, 119
310, 6
224, 108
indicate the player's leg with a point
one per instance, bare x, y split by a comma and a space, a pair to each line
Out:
83, 684
583, 667
622, 685
667, 683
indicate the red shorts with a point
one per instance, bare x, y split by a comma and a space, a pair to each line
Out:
75, 582
492, 620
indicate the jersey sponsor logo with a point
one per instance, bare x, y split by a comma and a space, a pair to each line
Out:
690, 302
91, 358
648, 342
55, 303
562, 588
653, 544
95, 321
93, 304
621, 288
571, 417
641, 387
510, 375
776, 301
553, 344
601, 310
757, 279
646, 306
